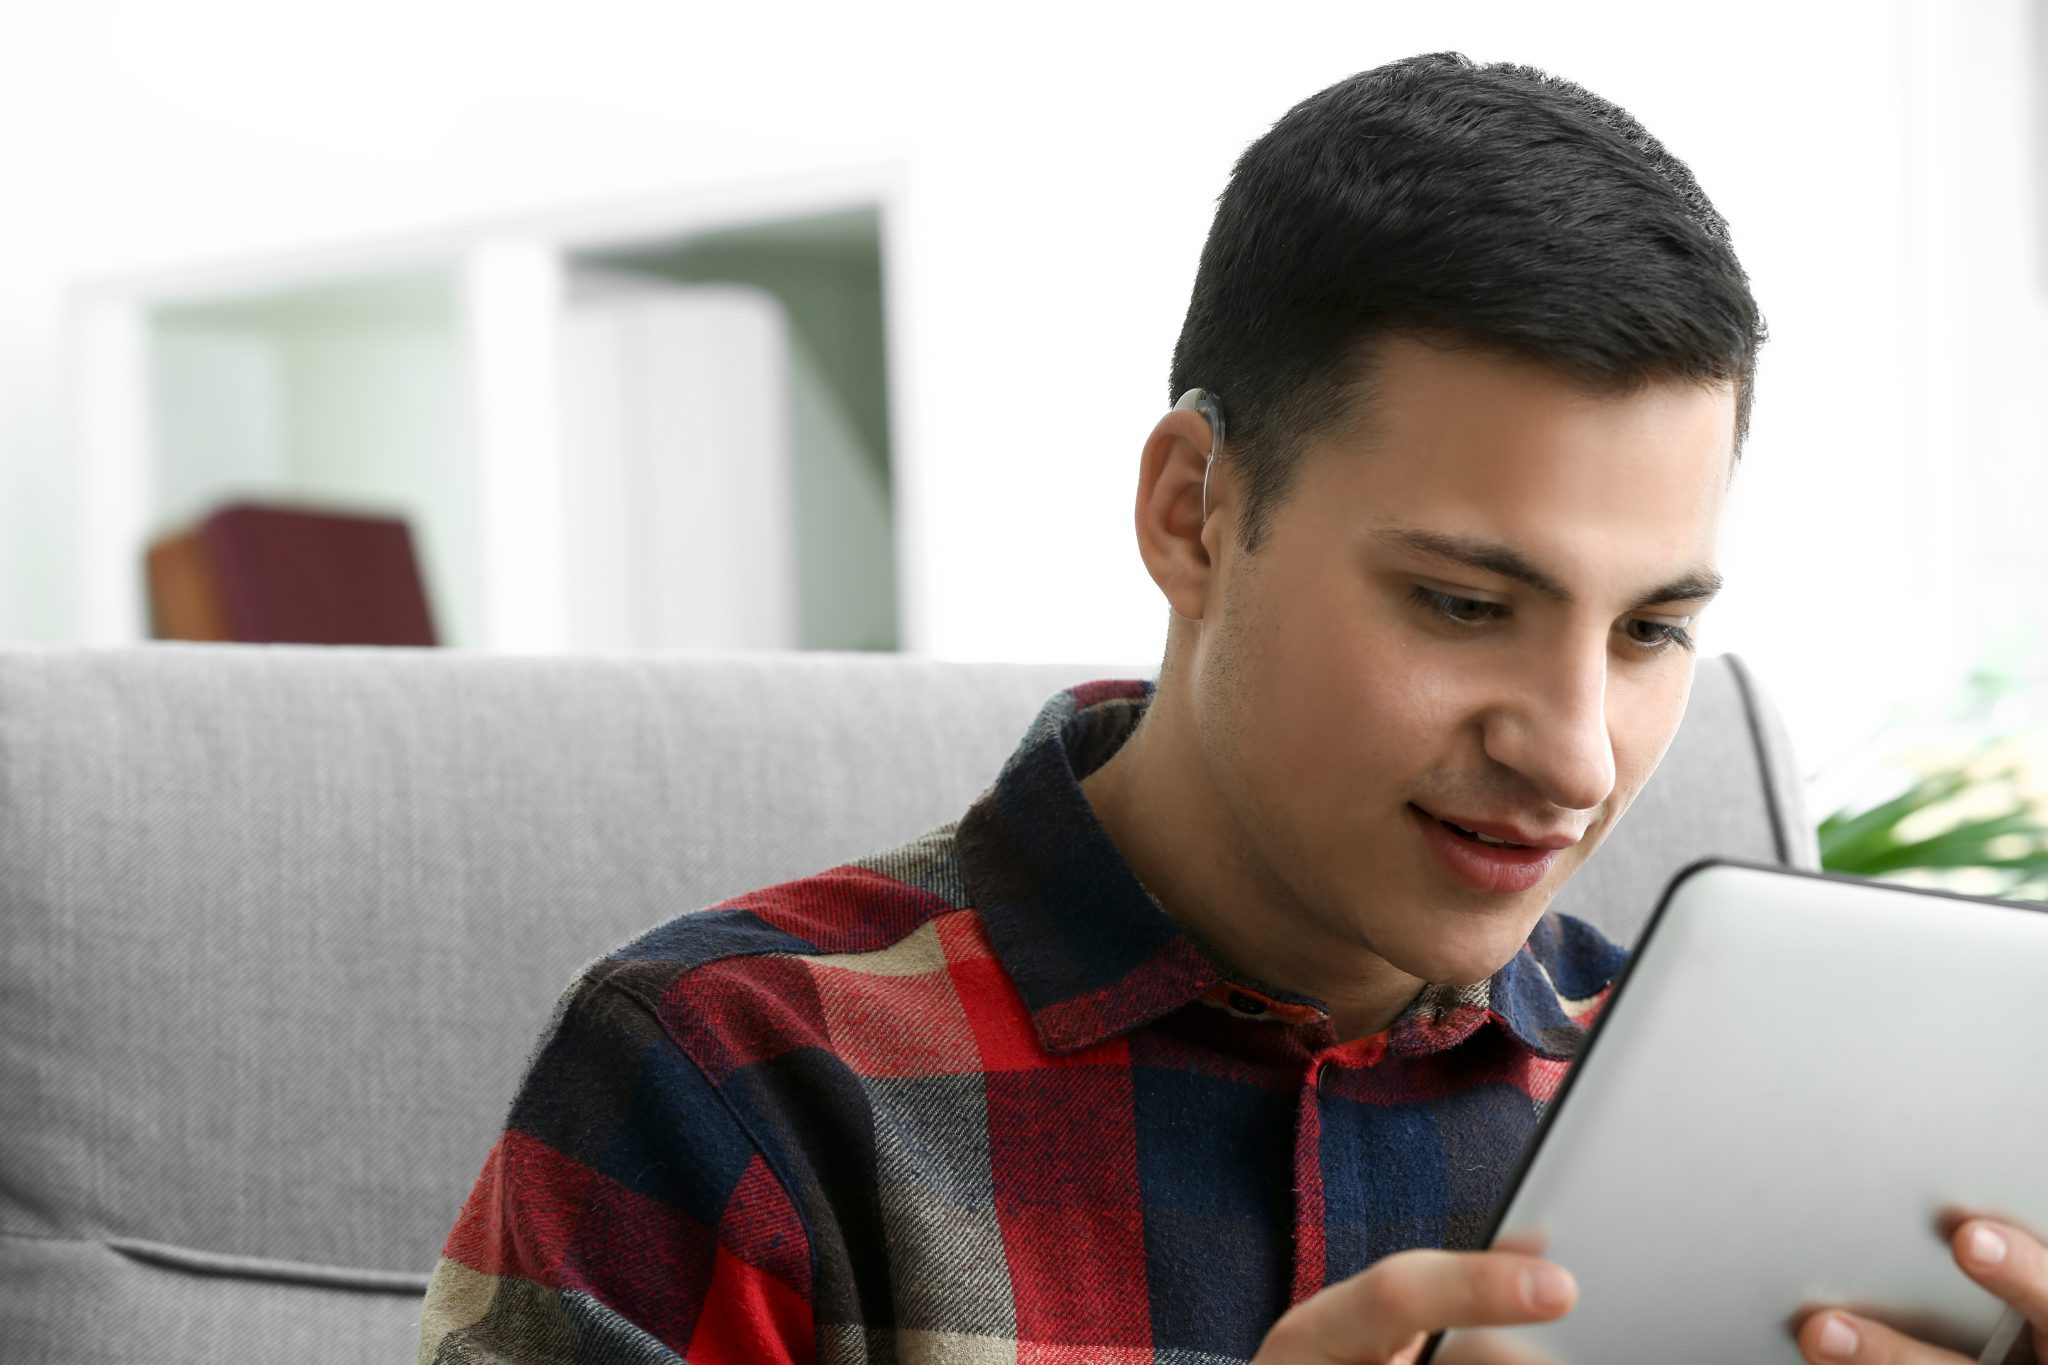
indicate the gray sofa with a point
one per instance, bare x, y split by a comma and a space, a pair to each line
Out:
282, 922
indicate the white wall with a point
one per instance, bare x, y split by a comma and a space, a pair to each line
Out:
1059, 166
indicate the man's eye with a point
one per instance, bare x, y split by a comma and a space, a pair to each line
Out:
1656, 636
1466, 611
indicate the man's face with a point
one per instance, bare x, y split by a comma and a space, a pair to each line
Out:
1472, 615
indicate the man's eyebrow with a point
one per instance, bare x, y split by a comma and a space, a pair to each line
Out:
1698, 586
1490, 556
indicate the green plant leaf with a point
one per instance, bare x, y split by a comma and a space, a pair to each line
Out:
1853, 839
1964, 846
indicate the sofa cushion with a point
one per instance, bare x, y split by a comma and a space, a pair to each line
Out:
284, 921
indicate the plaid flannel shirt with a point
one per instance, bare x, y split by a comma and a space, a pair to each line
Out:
978, 1098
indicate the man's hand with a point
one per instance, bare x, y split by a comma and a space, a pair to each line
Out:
1384, 1314
2003, 1259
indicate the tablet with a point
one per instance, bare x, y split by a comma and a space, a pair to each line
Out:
1801, 1084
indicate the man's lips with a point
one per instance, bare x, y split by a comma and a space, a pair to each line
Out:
1501, 869
1525, 835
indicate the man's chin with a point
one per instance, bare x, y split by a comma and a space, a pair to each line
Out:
1469, 958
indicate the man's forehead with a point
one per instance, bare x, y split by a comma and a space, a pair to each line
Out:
1527, 447
1411, 386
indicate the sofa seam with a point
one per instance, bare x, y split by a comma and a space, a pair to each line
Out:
1745, 689
171, 1256
22, 1236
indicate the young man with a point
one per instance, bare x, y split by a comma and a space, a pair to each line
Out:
1213, 1029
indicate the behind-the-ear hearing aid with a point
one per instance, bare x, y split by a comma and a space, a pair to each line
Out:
1211, 408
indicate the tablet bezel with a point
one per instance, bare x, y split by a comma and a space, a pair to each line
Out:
1546, 1121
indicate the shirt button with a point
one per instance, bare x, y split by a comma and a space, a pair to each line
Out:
1325, 1078
1246, 1004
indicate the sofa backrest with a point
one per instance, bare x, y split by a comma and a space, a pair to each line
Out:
283, 922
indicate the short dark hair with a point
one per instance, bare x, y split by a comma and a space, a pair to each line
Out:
1493, 206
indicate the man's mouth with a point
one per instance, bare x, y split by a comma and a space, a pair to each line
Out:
1479, 838
1487, 858
1499, 833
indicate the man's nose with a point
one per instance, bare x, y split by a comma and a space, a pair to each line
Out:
1551, 726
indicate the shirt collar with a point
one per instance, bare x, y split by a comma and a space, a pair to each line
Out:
1093, 954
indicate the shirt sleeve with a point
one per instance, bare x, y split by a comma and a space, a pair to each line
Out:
624, 1213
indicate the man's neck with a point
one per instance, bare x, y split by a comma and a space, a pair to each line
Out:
1157, 808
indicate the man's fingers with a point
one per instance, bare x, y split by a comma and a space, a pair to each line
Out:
1429, 1290
1836, 1338
1381, 1312
2005, 1260
2009, 1263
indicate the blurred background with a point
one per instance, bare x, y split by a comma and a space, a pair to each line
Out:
620, 326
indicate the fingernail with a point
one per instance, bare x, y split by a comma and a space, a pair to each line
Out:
1837, 1340
1547, 1286
1986, 1246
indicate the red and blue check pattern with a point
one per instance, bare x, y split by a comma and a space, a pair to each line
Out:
978, 1098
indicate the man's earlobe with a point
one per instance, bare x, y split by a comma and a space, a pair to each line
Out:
1174, 539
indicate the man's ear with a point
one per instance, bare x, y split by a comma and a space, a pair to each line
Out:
1178, 550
